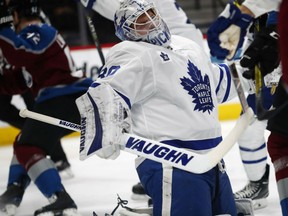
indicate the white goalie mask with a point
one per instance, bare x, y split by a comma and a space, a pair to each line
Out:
138, 20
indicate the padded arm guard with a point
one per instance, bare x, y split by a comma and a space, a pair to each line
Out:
104, 117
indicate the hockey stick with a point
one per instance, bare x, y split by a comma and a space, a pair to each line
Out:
87, 11
239, 88
95, 38
160, 152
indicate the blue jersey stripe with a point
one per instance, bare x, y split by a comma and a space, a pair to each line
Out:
195, 144
228, 75
220, 80
253, 150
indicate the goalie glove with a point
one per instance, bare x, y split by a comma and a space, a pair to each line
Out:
105, 116
263, 51
226, 35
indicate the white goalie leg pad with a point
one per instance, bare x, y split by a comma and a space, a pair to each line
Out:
244, 207
104, 117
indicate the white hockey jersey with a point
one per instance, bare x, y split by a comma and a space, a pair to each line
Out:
261, 7
173, 93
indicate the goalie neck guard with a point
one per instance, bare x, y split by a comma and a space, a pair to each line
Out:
138, 20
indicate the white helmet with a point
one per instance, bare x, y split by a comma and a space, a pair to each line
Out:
153, 30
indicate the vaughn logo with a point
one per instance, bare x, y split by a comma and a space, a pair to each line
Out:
82, 134
199, 88
70, 125
159, 151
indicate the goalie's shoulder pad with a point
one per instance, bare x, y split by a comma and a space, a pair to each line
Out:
104, 117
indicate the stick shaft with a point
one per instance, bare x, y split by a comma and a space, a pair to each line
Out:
50, 120
239, 88
95, 38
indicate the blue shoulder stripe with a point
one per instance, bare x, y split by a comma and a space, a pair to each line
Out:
220, 80
126, 99
228, 75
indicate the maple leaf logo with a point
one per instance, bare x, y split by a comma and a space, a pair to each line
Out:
199, 88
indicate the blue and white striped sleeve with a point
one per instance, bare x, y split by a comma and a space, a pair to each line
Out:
225, 89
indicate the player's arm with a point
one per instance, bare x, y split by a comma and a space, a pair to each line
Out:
25, 48
105, 108
257, 8
226, 35
223, 82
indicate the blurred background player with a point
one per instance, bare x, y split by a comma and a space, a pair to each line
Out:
252, 143
253, 154
41, 63
265, 53
10, 113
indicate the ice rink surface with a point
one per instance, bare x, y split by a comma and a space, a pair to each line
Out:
97, 181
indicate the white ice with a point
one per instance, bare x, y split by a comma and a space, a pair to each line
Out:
97, 181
